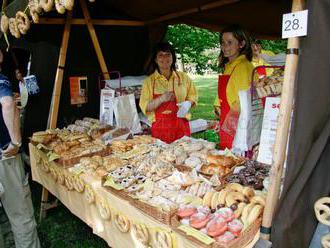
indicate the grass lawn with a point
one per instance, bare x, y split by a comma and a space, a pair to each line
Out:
62, 229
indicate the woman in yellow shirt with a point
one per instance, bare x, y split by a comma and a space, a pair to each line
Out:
235, 57
257, 59
167, 96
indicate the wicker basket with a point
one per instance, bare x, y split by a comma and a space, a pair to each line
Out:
164, 217
120, 193
67, 163
241, 241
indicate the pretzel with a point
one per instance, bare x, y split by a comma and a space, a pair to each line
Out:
44, 166
89, 194
141, 233
163, 240
104, 209
326, 241
4, 23
78, 184
69, 182
122, 223
322, 211
35, 5
13, 28
46, 5
34, 15
60, 7
69, 4
23, 22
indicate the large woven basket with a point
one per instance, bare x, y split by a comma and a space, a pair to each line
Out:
241, 241
158, 214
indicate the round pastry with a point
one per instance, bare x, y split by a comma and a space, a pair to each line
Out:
163, 240
69, 4
141, 233
199, 220
226, 238
186, 211
78, 184
122, 223
46, 5
235, 227
4, 23
69, 182
59, 5
216, 227
23, 22
89, 194
322, 210
104, 209
226, 213
13, 28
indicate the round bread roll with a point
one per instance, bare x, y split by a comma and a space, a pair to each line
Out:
69, 4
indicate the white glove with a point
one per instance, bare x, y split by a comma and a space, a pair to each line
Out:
184, 108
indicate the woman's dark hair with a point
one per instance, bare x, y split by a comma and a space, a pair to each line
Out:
162, 47
241, 36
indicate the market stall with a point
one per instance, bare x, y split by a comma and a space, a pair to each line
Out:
140, 191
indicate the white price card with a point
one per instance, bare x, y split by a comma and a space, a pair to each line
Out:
294, 24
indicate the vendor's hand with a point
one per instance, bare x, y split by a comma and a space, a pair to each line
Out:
184, 108
10, 151
167, 96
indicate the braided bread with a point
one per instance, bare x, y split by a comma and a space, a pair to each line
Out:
13, 28
78, 184
69, 182
23, 22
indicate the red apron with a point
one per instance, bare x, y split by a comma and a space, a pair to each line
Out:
168, 127
226, 140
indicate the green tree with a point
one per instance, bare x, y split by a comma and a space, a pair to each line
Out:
276, 46
195, 45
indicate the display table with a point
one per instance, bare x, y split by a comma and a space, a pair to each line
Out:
88, 212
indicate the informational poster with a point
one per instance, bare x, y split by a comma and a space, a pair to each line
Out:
268, 131
106, 106
78, 90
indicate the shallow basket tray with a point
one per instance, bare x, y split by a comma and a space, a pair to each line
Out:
241, 241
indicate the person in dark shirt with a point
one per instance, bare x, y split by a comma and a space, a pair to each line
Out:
15, 194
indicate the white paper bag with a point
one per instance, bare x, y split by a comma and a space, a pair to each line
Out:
106, 106
126, 113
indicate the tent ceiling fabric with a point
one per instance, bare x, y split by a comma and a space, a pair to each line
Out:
260, 17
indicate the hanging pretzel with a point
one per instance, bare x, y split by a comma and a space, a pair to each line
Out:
46, 5
322, 210
23, 22
325, 240
35, 5
60, 7
69, 4
13, 28
4, 23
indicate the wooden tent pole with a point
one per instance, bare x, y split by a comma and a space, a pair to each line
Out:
282, 132
53, 113
95, 40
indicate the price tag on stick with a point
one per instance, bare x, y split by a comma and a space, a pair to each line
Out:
294, 24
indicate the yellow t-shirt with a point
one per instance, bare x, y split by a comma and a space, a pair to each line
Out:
261, 61
240, 71
184, 89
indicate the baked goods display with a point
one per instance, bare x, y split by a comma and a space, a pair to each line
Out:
270, 85
251, 173
184, 183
